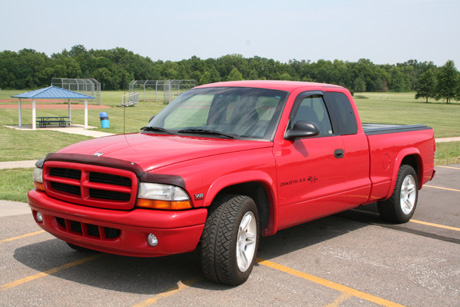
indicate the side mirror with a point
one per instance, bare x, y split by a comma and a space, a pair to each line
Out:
151, 118
301, 130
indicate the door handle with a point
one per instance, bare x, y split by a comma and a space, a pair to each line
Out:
339, 153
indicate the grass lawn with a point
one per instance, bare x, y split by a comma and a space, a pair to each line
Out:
18, 145
403, 108
15, 183
447, 153
391, 108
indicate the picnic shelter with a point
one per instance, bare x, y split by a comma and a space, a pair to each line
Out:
52, 92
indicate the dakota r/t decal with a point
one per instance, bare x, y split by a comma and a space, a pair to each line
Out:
311, 179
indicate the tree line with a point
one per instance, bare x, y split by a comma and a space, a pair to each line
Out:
115, 68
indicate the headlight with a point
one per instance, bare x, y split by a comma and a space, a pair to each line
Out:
162, 196
38, 176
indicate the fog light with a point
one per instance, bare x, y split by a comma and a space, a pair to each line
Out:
152, 240
39, 217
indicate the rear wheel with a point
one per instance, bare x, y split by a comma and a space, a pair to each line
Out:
400, 207
230, 240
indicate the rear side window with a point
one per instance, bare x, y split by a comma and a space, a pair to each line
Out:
343, 112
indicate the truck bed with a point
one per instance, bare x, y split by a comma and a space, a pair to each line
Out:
389, 145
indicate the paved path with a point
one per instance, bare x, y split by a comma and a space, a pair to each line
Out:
72, 129
11, 208
59, 105
445, 140
17, 164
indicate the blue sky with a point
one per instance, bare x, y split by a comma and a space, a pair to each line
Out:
384, 31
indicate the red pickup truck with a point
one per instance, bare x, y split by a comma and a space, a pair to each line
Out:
223, 165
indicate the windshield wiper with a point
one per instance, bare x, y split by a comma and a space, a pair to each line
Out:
156, 129
208, 132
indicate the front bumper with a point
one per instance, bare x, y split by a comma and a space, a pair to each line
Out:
120, 232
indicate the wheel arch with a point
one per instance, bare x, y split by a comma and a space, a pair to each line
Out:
409, 157
258, 186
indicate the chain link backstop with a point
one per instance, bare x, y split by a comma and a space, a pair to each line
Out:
160, 90
90, 87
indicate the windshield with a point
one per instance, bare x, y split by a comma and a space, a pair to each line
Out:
222, 112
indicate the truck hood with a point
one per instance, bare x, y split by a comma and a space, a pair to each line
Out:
153, 151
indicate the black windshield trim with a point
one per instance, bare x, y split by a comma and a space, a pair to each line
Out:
207, 132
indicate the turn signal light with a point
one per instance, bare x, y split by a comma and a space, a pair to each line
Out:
163, 204
39, 186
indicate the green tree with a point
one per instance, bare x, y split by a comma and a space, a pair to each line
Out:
448, 82
117, 67
285, 76
368, 71
235, 75
65, 66
8, 69
359, 85
84, 58
108, 80
182, 73
253, 75
399, 81
426, 85
31, 68
205, 78
215, 77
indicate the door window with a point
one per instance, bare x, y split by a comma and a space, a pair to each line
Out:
313, 110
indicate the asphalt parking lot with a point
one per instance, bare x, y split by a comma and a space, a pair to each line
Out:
349, 259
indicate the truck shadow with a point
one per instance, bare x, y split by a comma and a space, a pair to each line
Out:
314, 232
156, 275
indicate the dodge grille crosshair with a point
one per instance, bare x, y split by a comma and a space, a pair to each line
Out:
90, 185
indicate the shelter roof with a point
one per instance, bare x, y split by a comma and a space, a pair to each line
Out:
52, 92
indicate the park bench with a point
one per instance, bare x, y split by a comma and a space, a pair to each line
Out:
49, 120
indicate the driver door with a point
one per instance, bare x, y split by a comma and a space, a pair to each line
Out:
311, 170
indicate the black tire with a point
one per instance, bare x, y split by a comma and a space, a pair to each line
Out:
223, 260
400, 207
79, 248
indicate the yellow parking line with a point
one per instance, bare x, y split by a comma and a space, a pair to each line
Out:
435, 225
440, 188
180, 286
328, 283
23, 236
48, 272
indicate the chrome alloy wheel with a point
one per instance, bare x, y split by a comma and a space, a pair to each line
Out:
246, 241
408, 194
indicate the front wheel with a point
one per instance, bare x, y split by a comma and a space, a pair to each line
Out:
230, 240
400, 207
